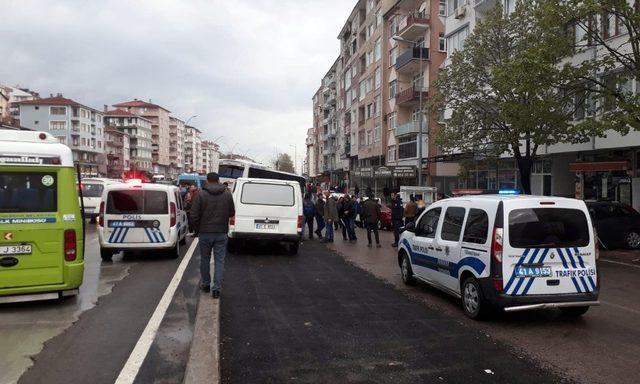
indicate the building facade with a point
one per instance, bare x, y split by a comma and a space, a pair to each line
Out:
210, 157
310, 161
192, 149
4, 103
140, 138
176, 146
74, 124
117, 152
160, 130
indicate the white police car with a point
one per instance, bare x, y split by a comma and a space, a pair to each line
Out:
140, 216
511, 252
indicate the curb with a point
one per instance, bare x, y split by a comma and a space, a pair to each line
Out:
204, 357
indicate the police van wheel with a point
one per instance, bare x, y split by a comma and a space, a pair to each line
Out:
106, 254
574, 311
473, 302
407, 272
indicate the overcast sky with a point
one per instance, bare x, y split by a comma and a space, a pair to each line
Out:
247, 68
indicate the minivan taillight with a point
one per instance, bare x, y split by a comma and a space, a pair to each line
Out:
172, 214
232, 220
101, 214
496, 245
300, 223
70, 245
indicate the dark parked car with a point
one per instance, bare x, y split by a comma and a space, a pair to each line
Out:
618, 225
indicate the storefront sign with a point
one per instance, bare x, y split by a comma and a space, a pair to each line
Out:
404, 172
599, 166
366, 172
383, 172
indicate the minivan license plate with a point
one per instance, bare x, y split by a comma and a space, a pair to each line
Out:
22, 249
266, 226
523, 271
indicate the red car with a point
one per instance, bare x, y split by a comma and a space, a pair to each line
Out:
385, 216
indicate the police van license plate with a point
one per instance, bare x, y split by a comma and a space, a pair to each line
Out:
524, 271
22, 249
264, 226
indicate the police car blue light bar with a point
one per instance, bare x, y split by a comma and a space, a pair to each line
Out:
508, 192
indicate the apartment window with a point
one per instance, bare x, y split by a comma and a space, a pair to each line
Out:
407, 147
377, 132
378, 77
393, 56
610, 26
456, 41
392, 120
378, 17
369, 138
415, 115
418, 81
394, 26
363, 89
378, 49
377, 106
392, 89
62, 139
354, 71
347, 79
391, 153
370, 84
442, 8
370, 29
57, 125
369, 111
57, 110
361, 139
83, 141
442, 43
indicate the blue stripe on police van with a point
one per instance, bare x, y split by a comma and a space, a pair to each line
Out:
161, 236
581, 264
564, 264
522, 279
593, 284
436, 264
114, 235
531, 279
147, 231
124, 234
513, 275
155, 234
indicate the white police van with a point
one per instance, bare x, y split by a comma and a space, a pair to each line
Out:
511, 252
141, 216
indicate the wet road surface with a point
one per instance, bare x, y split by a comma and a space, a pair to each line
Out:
316, 319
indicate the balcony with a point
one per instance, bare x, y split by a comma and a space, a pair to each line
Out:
411, 96
409, 60
408, 128
413, 26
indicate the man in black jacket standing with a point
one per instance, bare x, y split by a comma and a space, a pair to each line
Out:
210, 213
397, 214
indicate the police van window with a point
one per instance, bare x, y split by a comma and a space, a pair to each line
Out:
268, 194
452, 224
476, 230
429, 223
548, 227
28, 192
136, 201
92, 190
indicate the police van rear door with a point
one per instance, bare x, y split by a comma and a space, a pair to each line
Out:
136, 215
548, 247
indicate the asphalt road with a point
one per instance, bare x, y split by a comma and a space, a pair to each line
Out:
315, 318
95, 344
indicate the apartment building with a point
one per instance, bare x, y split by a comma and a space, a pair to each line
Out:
117, 150
192, 149
160, 130
326, 129
4, 103
17, 95
176, 146
210, 157
138, 129
74, 124
310, 162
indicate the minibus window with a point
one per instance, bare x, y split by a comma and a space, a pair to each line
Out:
136, 201
268, 194
477, 228
230, 171
92, 190
547, 228
28, 192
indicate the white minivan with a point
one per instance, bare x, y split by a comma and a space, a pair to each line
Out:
141, 216
266, 209
511, 252
92, 189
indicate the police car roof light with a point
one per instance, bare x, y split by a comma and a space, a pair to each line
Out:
508, 192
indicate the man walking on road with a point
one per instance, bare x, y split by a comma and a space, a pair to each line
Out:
397, 212
210, 214
371, 214
309, 212
330, 216
348, 216
320, 215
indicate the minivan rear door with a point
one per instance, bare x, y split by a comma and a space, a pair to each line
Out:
548, 247
268, 208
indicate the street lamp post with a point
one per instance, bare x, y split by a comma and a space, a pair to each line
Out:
419, 170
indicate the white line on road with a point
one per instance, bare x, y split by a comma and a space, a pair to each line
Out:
622, 307
620, 263
132, 366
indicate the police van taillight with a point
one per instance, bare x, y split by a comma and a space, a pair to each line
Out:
497, 243
172, 213
70, 245
300, 222
101, 214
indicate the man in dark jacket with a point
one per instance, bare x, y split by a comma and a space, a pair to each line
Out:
320, 215
348, 216
309, 212
371, 216
210, 214
397, 214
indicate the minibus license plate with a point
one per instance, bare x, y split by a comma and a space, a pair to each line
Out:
272, 227
22, 249
523, 271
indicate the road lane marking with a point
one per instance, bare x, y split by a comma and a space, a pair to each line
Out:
622, 307
132, 366
620, 263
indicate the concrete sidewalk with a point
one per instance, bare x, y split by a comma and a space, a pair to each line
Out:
204, 357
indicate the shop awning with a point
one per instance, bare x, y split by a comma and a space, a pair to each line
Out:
602, 166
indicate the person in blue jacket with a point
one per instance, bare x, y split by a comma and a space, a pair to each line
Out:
309, 213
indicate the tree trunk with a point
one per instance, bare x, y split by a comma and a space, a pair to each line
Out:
525, 163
